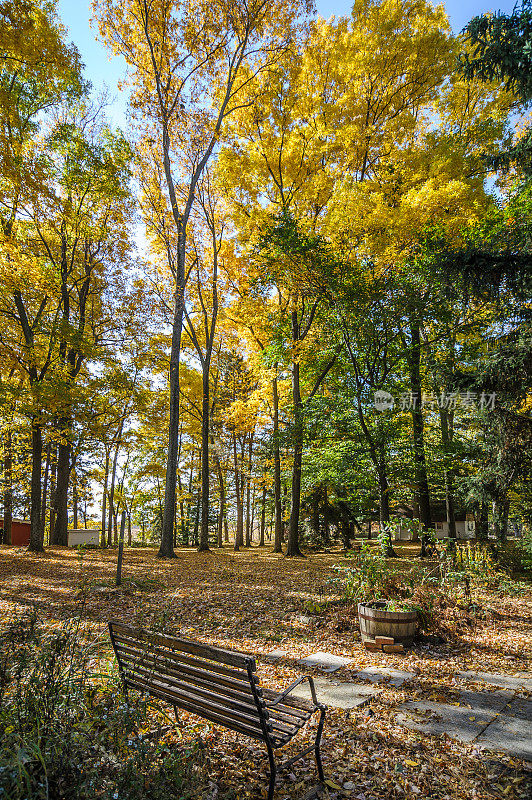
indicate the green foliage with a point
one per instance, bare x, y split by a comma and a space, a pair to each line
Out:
66, 730
370, 578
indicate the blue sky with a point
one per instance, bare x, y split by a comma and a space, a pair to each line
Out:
102, 70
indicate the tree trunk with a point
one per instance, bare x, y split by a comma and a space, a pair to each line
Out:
501, 507
53, 481
129, 533
61, 491
420, 465
195, 535
166, 549
181, 508
221, 515
75, 498
204, 533
248, 496
384, 510
446, 423
45, 487
481, 522
284, 504
262, 517
346, 534
103, 539
239, 533
293, 531
315, 518
8, 486
36, 533
278, 536
110, 536
239, 488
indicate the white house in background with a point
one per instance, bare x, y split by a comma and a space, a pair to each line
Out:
79, 536
465, 529
406, 529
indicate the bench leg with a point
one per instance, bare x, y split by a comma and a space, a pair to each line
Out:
273, 772
317, 746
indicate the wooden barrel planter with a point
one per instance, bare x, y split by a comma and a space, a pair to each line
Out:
374, 621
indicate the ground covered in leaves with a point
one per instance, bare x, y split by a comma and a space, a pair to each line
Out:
255, 601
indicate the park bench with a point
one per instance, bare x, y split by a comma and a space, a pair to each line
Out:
221, 686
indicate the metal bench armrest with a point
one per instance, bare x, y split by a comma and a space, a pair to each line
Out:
287, 691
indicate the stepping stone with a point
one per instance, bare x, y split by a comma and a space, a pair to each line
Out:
327, 662
377, 674
495, 679
511, 731
338, 695
464, 722
493, 702
274, 655
457, 722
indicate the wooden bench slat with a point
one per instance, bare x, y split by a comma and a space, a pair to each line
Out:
179, 696
165, 652
246, 706
212, 716
129, 656
187, 646
290, 701
282, 714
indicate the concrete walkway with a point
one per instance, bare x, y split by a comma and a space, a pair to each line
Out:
499, 720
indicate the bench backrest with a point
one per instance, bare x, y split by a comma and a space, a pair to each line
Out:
219, 685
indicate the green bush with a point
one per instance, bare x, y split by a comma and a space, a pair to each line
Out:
66, 731
370, 577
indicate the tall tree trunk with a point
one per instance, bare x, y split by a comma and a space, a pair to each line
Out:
315, 517
166, 549
420, 464
239, 489
45, 487
195, 535
221, 515
205, 434
262, 516
36, 533
239, 533
75, 498
61, 490
103, 538
129, 532
53, 482
297, 439
346, 534
278, 536
248, 493
253, 509
482, 522
8, 485
501, 507
384, 510
186, 537
182, 516
446, 423
110, 531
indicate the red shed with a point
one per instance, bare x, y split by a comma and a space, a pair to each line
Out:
20, 532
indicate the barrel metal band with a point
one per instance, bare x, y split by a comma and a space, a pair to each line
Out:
387, 619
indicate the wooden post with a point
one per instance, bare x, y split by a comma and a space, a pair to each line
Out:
120, 549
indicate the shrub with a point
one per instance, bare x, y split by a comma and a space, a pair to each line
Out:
370, 577
66, 730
